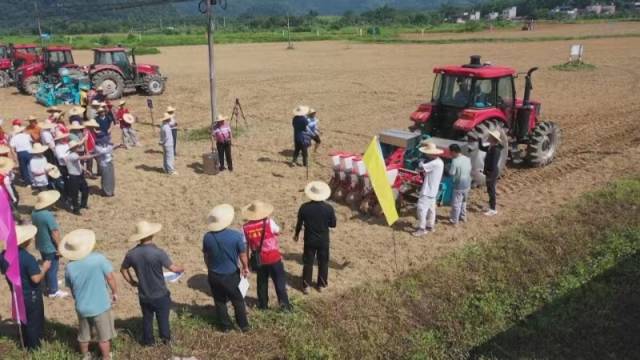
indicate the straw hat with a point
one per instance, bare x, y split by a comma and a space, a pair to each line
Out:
25, 233
46, 199
301, 110
53, 171
77, 244
46, 125
95, 103
220, 217
257, 210
430, 148
18, 129
76, 126
171, 109
99, 88
61, 136
4, 150
6, 165
54, 109
102, 109
122, 103
144, 229
76, 110
221, 118
74, 144
317, 191
32, 118
129, 119
311, 111
166, 117
495, 134
91, 124
38, 148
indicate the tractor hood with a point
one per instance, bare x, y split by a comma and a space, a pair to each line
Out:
5, 64
147, 69
30, 69
422, 114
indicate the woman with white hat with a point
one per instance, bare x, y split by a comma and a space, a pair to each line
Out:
312, 128
126, 121
492, 167
432, 170
317, 217
173, 125
31, 276
261, 232
166, 141
300, 136
222, 136
21, 144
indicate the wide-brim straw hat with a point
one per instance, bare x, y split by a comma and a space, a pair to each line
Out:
32, 118
144, 229
54, 109
257, 210
46, 125
311, 111
102, 109
430, 148
25, 233
76, 110
220, 217
122, 102
6, 165
317, 191
75, 144
61, 136
4, 150
77, 244
129, 119
166, 117
76, 126
495, 134
91, 123
46, 199
38, 148
221, 118
99, 88
53, 171
17, 129
171, 109
96, 103
301, 111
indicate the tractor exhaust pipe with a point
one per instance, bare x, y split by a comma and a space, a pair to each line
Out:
524, 113
528, 86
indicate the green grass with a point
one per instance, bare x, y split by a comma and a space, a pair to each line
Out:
564, 286
574, 66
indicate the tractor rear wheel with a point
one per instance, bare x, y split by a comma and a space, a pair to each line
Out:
5, 79
111, 82
153, 85
30, 85
477, 157
543, 144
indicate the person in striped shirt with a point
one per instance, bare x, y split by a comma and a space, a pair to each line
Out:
222, 137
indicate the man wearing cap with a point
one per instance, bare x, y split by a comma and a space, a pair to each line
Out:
261, 232
31, 276
77, 182
38, 167
21, 144
222, 136
300, 138
460, 170
166, 141
33, 129
173, 124
223, 248
88, 275
432, 170
492, 167
48, 239
104, 120
148, 261
317, 217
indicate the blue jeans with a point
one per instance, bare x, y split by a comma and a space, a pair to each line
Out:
24, 157
160, 308
51, 277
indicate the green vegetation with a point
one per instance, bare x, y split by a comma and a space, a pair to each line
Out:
574, 66
564, 286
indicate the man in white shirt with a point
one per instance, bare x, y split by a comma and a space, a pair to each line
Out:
166, 141
38, 167
432, 170
21, 144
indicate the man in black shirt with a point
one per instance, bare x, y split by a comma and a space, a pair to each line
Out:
300, 138
492, 168
317, 217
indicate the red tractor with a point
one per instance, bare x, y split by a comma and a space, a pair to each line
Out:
12, 57
54, 58
112, 70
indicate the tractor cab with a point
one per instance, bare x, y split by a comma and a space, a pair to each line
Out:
56, 58
117, 57
23, 54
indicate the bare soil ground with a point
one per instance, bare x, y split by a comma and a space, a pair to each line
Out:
541, 30
358, 90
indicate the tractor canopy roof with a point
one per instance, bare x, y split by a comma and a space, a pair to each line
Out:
25, 46
483, 72
57, 48
113, 49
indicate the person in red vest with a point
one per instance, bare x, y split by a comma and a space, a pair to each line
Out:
261, 233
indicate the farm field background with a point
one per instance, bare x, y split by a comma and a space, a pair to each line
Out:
358, 90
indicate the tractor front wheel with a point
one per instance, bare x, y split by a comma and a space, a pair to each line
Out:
5, 79
153, 85
111, 82
30, 85
543, 144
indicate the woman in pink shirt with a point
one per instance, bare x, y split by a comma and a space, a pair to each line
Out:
222, 137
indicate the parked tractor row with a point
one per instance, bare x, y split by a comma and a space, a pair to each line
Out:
113, 69
466, 103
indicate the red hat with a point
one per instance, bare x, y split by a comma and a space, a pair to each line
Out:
17, 122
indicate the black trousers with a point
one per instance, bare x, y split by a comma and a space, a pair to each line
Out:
277, 274
309, 255
224, 152
224, 288
492, 180
78, 185
51, 159
33, 332
300, 147
159, 308
64, 173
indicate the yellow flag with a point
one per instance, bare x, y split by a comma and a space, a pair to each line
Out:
377, 170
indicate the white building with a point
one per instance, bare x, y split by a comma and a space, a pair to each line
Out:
493, 16
510, 13
599, 9
567, 11
474, 16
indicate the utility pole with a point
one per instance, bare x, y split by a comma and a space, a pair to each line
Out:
35, 4
212, 66
290, 47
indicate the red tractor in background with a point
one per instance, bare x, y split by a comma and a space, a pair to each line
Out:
112, 70
12, 57
28, 77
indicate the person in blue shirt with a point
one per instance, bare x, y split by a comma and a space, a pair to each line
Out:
222, 248
31, 276
104, 119
312, 128
300, 136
